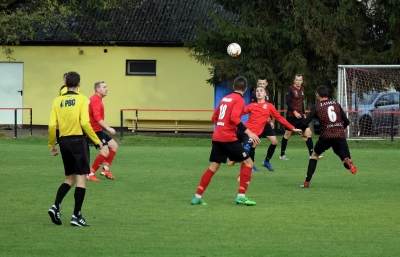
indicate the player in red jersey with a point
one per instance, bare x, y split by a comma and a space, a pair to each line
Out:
333, 122
227, 120
296, 115
259, 115
96, 114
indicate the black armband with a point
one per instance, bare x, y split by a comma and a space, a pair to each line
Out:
241, 127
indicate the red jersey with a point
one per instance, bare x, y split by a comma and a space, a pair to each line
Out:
259, 116
227, 116
96, 112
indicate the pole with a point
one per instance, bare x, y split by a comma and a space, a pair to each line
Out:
391, 126
30, 122
121, 122
136, 123
15, 123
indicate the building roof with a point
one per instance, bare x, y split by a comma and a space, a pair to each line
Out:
153, 22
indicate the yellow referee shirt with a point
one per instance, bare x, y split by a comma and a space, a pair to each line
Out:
70, 112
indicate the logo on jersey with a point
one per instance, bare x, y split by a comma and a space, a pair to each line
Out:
296, 94
67, 103
265, 106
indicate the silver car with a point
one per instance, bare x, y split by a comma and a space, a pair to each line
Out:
366, 121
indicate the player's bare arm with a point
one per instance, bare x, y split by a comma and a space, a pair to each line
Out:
106, 127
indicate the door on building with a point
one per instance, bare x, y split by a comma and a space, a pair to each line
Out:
11, 90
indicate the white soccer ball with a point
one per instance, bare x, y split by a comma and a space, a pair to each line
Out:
234, 49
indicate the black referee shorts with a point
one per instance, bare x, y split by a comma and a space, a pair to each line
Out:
339, 147
74, 153
220, 151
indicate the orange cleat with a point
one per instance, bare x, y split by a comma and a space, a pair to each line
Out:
92, 178
351, 165
231, 163
107, 174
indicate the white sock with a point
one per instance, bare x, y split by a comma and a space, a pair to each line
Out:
106, 168
241, 195
197, 196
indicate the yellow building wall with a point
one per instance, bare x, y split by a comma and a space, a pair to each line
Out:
179, 83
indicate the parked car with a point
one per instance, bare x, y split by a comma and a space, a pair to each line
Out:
369, 122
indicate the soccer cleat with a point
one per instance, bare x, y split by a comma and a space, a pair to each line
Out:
254, 169
283, 157
320, 157
107, 174
231, 163
78, 221
351, 165
92, 177
244, 201
55, 215
267, 165
305, 185
197, 201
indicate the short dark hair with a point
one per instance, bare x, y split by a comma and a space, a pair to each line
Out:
240, 83
65, 74
72, 79
322, 91
262, 77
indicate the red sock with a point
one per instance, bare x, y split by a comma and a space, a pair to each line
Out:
245, 177
97, 163
110, 158
205, 180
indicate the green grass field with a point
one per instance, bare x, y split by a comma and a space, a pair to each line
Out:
146, 210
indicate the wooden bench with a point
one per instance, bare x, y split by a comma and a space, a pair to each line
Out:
171, 125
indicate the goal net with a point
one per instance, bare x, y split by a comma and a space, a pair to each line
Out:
369, 94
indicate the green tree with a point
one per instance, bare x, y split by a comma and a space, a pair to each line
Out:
21, 19
280, 38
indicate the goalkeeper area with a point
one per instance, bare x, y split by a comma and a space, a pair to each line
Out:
369, 94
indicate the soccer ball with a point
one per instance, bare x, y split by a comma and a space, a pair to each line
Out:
234, 50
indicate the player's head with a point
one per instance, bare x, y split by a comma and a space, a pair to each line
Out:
298, 80
322, 91
72, 79
240, 84
260, 93
262, 81
100, 88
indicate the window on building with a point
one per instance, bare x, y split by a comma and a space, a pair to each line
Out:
141, 67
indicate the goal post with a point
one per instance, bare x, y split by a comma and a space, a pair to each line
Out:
369, 94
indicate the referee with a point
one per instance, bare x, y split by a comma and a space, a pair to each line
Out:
70, 112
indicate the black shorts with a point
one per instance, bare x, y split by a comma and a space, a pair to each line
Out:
339, 146
297, 123
104, 138
268, 131
220, 151
75, 156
